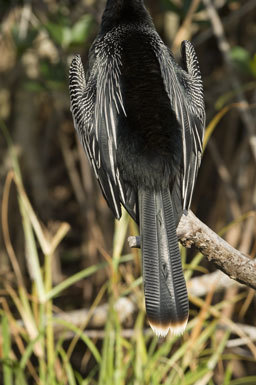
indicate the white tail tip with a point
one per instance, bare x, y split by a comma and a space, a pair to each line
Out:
162, 330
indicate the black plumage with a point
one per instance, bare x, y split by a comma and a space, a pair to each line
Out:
140, 118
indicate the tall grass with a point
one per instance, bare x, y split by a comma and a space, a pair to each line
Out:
31, 351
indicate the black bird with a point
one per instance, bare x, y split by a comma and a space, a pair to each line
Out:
140, 118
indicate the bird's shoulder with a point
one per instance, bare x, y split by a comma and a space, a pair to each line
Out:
125, 37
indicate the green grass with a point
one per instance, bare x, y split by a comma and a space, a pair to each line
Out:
32, 353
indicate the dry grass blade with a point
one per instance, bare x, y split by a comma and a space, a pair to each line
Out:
214, 122
199, 326
27, 318
5, 228
48, 246
183, 31
227, 322
249, 299
45, 245
86, 320
57, 238
206, 378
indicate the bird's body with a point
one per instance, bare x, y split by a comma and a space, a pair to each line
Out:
152, 136
140, 118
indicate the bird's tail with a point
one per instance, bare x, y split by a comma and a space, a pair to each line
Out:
164, 284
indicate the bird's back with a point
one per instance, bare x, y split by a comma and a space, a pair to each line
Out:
149, 136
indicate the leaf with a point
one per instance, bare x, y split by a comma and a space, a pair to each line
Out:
55, 31
241, 59
80, 30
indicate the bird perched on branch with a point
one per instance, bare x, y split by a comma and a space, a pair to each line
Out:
140, 118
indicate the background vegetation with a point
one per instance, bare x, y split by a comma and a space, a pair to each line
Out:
71, 302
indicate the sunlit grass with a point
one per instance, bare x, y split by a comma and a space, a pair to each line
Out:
31, 352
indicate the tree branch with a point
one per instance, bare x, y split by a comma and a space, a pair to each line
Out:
191, 231
225, 49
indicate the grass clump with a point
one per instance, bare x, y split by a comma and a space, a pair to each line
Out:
38, 347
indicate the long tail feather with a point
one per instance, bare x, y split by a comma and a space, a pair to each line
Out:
164, 284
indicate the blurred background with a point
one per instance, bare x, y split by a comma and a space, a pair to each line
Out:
38, 39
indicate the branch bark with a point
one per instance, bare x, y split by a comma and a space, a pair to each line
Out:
191, 231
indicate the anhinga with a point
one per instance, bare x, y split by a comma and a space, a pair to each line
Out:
140, 118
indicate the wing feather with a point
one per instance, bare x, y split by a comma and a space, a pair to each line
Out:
96, 105
94, 115
185, 91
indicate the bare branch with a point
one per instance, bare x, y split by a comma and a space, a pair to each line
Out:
201, 285
225, 49
227, 21
191, 231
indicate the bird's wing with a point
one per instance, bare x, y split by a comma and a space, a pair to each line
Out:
185, 91
96, 105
